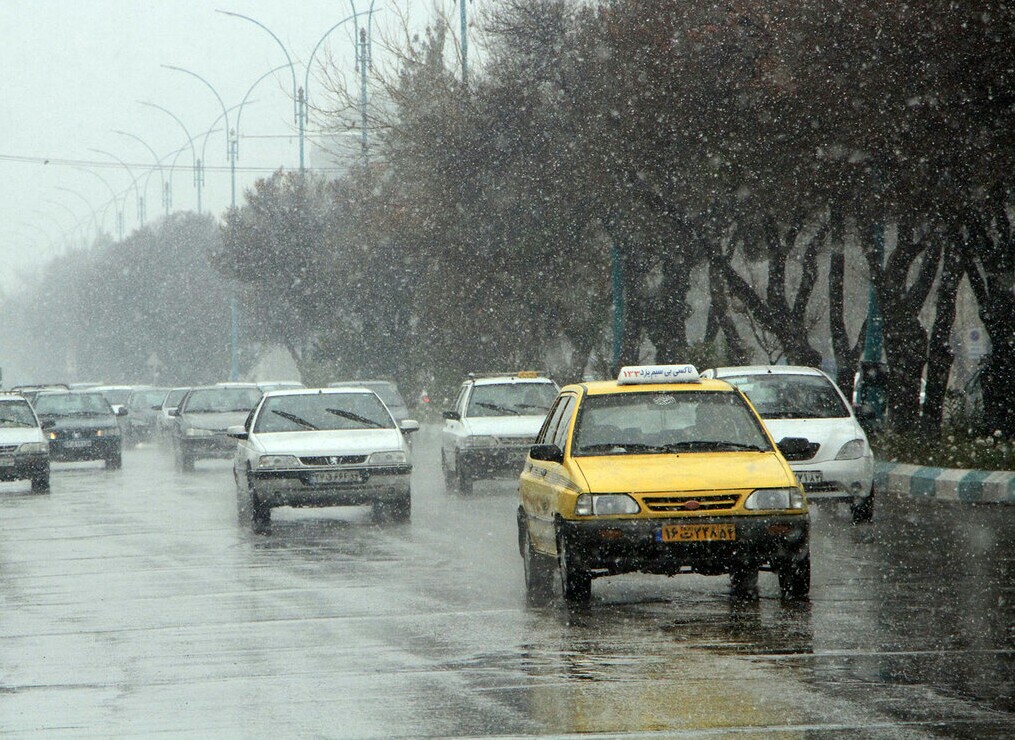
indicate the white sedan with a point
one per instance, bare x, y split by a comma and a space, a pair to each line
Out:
322, 447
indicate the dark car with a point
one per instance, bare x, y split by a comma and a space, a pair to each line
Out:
143, 407
202, 418
80, 425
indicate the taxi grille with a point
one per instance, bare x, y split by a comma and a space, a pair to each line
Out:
685, 503
334, 460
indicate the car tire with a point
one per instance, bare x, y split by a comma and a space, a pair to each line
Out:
795, 576
260, 514
397, 509
184, 462
575, 579
744, 581
862, 511
538, 574
40, 482
463, 481
114, 461
449, 475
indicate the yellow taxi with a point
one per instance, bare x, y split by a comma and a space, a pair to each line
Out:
659, 471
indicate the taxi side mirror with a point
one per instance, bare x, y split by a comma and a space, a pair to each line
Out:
795, 448
547, 453
452, 416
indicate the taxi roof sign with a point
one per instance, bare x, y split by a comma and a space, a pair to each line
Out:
657, 374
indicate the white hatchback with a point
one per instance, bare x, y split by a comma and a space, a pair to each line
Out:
322, 447
803, 402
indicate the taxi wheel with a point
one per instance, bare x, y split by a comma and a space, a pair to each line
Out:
538, 575
40, 483
114, 462
744, 581
795, 577
863, 510
575, 580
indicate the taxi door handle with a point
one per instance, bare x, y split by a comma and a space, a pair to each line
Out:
542, 472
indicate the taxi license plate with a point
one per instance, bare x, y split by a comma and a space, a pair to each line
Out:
698, 532
810, 476
77, 443
6, 462
337, 476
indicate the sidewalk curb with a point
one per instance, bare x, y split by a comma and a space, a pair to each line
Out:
944, 484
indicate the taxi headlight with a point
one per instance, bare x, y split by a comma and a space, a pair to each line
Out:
108, 432
591, 504
387, 458
775, 498
198, 432
479, 441
277, 461
52, 435
33, 448
852, 450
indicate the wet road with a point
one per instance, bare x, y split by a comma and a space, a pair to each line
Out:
131, 602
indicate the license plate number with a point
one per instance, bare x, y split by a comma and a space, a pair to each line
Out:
337, 476
810, 476
6, 462
77, 443
698, 532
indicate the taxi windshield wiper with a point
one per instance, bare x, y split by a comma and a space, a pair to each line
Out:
294, 419
356, 417
708, 445
497, 407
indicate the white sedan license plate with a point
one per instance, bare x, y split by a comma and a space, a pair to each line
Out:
810, 476
6, 462
77, 443
337, 476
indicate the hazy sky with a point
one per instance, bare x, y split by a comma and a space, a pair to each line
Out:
74, 71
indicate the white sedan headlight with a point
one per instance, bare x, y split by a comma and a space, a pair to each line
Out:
198, 432
33, 448
108, 432
767, 499
591, 504
277, 461
852, 450
394, 457
479, 441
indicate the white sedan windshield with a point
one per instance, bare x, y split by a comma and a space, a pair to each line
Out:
322, 411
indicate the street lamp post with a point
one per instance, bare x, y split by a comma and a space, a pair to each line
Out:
137, 190
166, 201
198, 170
115, 200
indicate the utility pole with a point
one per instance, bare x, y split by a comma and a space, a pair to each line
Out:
464, 42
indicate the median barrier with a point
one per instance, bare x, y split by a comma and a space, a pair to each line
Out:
944, 484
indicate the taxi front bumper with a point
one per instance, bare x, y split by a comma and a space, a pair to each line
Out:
308, 488
612, 547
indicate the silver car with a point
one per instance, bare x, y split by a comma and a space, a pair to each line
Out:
322, 447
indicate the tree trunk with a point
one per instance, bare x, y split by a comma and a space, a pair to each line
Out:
940, 355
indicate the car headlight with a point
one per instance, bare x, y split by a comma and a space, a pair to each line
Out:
479, 441
775, 498
387, 458
198, 432
277, 461
108, 432
33, 448
852, 450
51, 435
604, 504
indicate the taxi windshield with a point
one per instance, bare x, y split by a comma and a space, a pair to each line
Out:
666, 422
787, 396
511, 399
